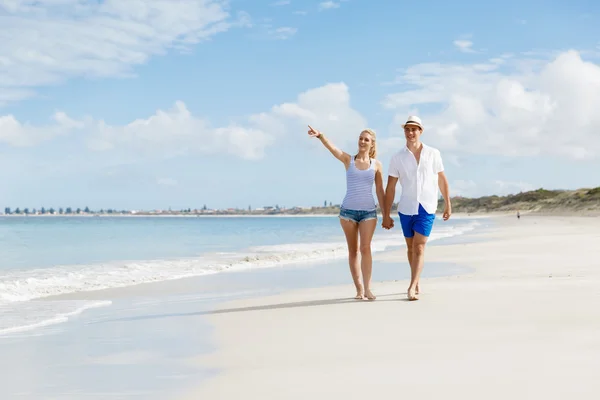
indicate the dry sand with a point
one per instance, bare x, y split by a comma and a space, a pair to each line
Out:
524, 325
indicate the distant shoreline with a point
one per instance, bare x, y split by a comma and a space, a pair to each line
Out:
117, 215
281, 215
580, 202
461, 214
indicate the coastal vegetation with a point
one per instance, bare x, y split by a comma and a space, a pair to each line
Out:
540, 200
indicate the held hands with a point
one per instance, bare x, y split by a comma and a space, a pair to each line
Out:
313, 132
388, 222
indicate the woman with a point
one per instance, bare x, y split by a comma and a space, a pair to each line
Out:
358, 213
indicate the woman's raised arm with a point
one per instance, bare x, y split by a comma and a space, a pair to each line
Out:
337, 153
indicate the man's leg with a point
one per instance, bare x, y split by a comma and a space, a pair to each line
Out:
407, 223
409, 255
418, 260
422, 229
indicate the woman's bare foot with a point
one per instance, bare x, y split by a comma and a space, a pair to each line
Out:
360, 292
369, 295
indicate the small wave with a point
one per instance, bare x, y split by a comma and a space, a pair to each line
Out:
16, 286
26, 316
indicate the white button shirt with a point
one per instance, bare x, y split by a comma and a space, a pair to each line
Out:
419, 181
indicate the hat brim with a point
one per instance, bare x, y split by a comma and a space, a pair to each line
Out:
413, 123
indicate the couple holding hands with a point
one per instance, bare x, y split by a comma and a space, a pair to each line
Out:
419, 170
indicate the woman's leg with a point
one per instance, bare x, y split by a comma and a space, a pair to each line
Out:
366, 230
351, 231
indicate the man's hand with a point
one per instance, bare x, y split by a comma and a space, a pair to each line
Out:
447, 213
445, 189
388, 222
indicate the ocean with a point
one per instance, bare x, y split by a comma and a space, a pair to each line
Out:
49, 255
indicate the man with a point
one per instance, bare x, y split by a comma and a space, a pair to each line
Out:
420, 171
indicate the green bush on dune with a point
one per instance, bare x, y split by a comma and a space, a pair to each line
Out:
534, 200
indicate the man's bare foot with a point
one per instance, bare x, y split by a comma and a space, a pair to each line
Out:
369, 295
417, 289
411, 295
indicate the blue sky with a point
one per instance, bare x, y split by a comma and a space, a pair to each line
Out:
156, 104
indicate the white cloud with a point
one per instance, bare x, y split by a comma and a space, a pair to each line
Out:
518, 107
22, 135
326, 108
47, 41
281, 3
463, 188
466, 46
468, 188
283, 33
452, 159
503, 188
176, 131
300, 12
328, 5
388, 146
165, 134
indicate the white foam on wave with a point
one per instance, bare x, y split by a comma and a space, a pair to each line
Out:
315, 251
26, 316
17, 287
26, 285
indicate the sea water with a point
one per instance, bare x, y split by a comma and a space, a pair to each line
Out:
49, 255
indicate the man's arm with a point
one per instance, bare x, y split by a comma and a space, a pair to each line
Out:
445, 189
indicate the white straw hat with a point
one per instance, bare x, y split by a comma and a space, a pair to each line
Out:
413, 120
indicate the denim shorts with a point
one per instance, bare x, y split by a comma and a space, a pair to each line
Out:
357, 215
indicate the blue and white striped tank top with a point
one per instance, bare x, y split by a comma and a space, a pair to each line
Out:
359, 188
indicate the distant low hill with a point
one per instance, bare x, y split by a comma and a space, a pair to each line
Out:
580, 201
540, 200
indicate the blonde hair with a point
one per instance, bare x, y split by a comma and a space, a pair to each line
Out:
373, 150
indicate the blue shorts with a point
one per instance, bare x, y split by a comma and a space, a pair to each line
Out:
421, 223
357, 215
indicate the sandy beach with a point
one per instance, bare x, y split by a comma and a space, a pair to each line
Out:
524, 325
